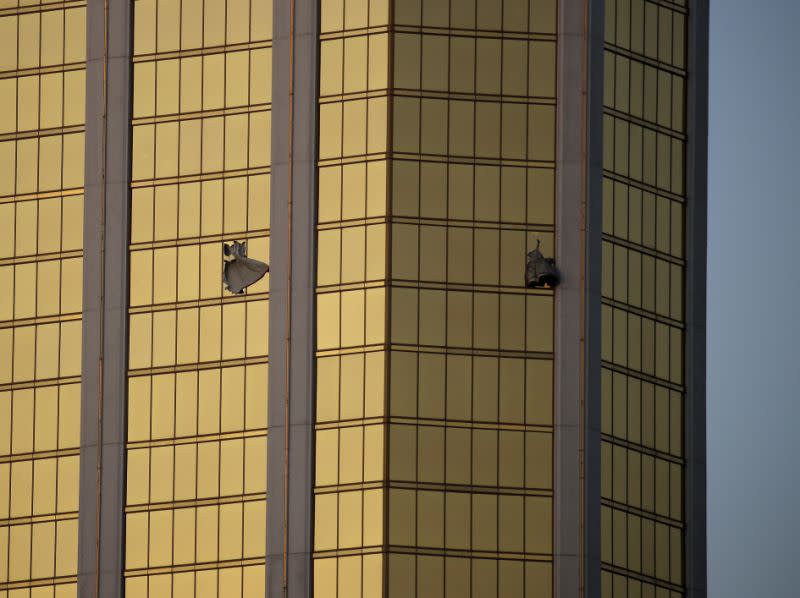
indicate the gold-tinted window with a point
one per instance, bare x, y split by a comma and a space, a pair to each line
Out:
352, 236
198, 364
42, 82
642, 465
434, 364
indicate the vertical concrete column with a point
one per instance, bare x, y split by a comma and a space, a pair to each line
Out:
570, 379
593, 297
292, 342
696, 239
576, 557
105, 299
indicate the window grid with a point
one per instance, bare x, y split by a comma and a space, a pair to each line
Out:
197, 381
353, 229
642, 522
42, 80
444, 261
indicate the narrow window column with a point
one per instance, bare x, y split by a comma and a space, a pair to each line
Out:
105, 299
290, 458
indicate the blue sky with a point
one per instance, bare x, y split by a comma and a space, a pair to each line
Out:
753, 293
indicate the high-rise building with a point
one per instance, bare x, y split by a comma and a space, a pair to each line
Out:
391, 412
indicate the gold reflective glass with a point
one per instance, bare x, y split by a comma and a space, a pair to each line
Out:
220, 345
447, 233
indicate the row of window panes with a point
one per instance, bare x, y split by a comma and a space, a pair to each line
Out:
38, 551
452, 455
41, 289
39, 487
420, 576
201, 145
349, 519
352, 128
41, 164
190, 24
427, 317
652, 30
349, 455
642, 481
616, 584
190, 210
642, 217
465, 521
643, 91
350, 386
210, 82
437, 190
640, 280
476, 457
642, 344
473, 192
339, 15
41, 351
10, 5
41, 226
644, 155
352, 191
475, 65
642, 413
202, 534
209, 401
641, 545
227, 582
44, 419
481, 256
505, 390
42, 39
354, 64
212, 333
42, 101
204, 470
488, 130
433, 519
436, 386
186, 273
463, 319
351, 319
538, 16
351, 254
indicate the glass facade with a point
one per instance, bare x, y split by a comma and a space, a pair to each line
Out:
42, 87
352, 299
434, 370
644, 195
197, 378
433, 441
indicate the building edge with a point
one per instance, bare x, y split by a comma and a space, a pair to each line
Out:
101, 519
695, 357
292, 322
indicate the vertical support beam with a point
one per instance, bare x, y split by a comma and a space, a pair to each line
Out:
593, 297
696, 239
578, 251
570, 377
290, 481
105, 300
